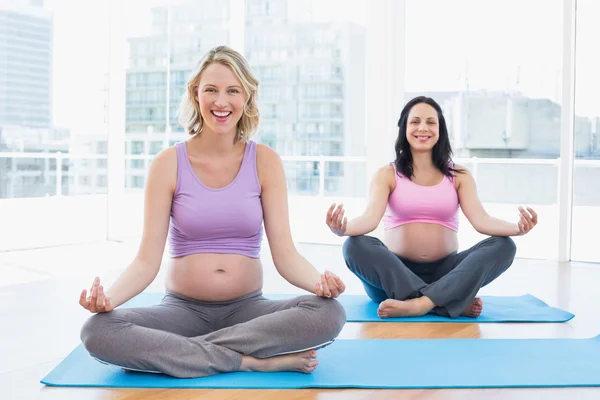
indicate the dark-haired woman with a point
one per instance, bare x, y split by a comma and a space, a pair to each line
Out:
417, 269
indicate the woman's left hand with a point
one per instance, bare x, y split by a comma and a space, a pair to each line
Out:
528, 219
330, 286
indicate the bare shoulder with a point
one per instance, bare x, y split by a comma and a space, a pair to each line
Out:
386, 176
387, 171
268, 163
462, 175
166, 156
163, 168
265, 154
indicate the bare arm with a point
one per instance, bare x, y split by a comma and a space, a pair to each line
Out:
481, 220
290, 264
160, 185
380, 188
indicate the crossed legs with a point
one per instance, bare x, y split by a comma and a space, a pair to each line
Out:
448, 286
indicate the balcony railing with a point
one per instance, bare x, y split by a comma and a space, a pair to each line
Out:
473, 163
67, 219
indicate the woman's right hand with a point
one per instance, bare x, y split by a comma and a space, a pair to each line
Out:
97, 302
336, 220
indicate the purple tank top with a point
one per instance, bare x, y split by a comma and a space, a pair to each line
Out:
224, 220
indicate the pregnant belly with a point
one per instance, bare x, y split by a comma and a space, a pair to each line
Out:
214, 277
421, 242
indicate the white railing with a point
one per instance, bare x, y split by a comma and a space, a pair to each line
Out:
473, 162
322, 160
476, 161
67, 219
60, 156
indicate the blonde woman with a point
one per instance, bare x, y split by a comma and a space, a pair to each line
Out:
210, 195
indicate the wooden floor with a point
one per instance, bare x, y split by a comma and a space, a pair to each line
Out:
40, 321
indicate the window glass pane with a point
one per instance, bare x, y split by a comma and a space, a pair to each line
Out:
501, 101
164, 41
310, 60
586, 175
53, 116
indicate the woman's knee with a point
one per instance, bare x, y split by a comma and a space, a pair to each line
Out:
355, 246
332, 316
503, 251
329, 315
505, 246
95, 333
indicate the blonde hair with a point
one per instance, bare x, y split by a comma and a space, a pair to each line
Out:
189, 114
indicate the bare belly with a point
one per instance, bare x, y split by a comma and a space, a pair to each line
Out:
214, 277
421, 242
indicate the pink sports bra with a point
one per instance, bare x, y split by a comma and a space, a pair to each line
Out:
410, 202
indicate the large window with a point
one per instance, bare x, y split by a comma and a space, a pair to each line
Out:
53, 137
586, 187
89, 94
312, 100
500, 87
310, 62
310, 59
162, 41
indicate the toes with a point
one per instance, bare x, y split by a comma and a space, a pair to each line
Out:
472, 312
384, 303
309, 366
475, 313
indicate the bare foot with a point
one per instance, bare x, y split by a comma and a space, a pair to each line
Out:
297, 362
391, 308
474, 309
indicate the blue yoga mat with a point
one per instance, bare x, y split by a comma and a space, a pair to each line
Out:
526, 308
383, 363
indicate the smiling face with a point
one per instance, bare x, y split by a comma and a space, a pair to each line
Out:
221, 98
422, 127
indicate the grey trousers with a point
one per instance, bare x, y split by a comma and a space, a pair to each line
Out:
185, 337
451, 283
